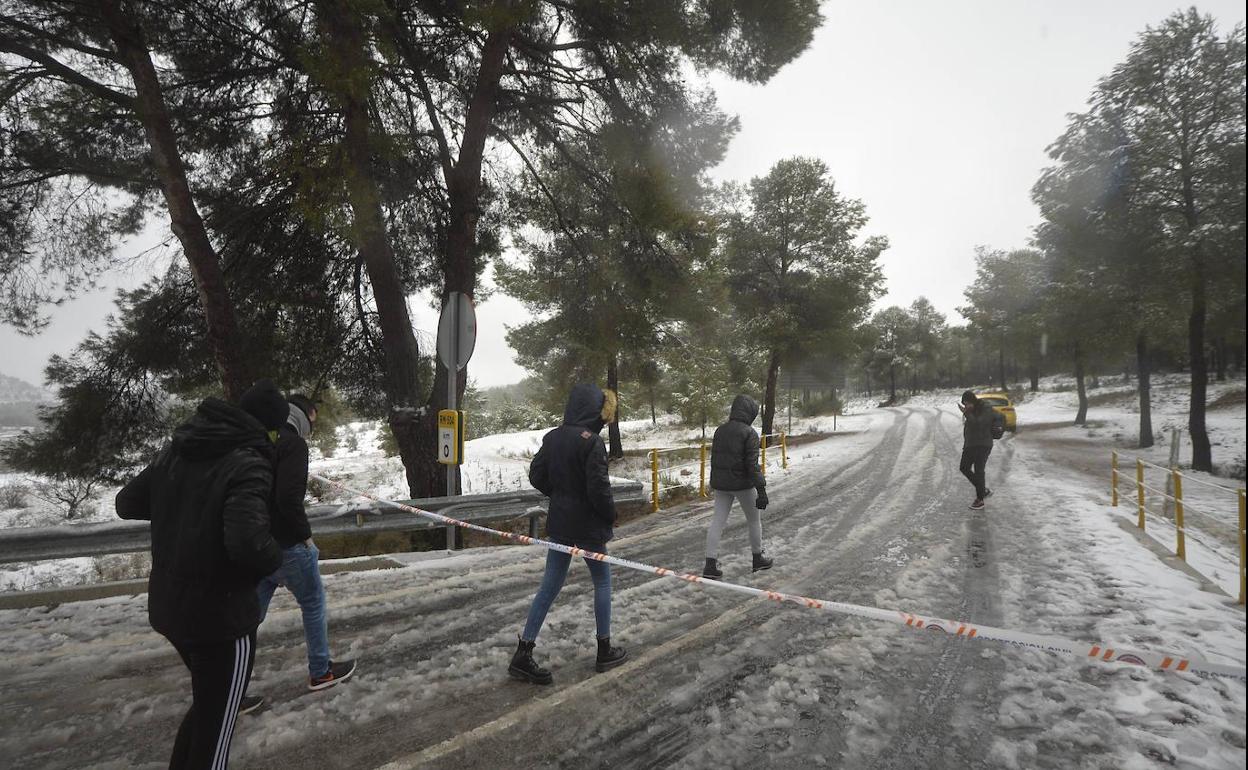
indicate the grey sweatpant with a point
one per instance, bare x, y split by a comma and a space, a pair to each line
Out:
723, 504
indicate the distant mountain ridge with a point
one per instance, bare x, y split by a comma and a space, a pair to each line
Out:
14, 390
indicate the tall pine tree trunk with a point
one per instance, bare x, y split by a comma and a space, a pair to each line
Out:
1001, 363
615, 446
892, 383
1081, 418
463, 182
1202, 453
1033, 366
350, 86
1144, 373
223, 336
769, 394
1221, 347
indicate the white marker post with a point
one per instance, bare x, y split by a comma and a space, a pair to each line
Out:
457, 337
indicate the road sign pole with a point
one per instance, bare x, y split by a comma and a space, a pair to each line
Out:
452, 380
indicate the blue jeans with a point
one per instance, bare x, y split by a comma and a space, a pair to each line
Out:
557, 563
301, 574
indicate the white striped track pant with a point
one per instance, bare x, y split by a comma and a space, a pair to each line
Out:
220, 672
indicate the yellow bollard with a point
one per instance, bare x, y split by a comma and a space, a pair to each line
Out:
1242, 527
654, 479
702, 472
1178, 512
1113, 478
1139, 489
784, 451
763, 457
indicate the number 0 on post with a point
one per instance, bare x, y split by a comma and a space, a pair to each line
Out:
451, 437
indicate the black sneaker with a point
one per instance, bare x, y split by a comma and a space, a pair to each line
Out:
250, 703
712, 571
608, 657
977, 505
762, 562
337, 673
987, 493
524, 668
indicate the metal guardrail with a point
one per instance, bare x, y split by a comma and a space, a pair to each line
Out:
27, 544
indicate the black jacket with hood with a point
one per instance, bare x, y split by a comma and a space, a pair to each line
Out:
207, 496
571, 469
977, 425
290, 480
734, 450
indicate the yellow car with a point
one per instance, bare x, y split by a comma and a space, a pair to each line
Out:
1001, 402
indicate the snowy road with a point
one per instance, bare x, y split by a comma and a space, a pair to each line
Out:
714, 679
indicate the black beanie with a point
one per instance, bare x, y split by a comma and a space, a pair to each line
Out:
266, 403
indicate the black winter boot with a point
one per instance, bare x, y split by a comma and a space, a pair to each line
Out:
712, 571
523, 666
761, 562
609, 657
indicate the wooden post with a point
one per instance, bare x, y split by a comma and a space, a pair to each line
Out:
784, 451
1242, 527
702, 472
762, 460
654, 480
1178, 513
1139, 490
1113, 478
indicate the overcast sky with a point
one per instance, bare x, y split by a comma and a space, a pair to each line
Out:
936, 115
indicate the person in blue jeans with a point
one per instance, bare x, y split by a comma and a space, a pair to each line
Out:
300, 571
571, 469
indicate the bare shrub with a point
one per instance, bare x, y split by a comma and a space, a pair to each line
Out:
69, 495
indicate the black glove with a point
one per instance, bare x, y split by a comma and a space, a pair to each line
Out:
761, 502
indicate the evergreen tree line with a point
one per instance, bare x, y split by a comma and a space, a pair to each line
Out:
1138, 262
320, 161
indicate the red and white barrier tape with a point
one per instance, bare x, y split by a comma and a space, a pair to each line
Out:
963, 630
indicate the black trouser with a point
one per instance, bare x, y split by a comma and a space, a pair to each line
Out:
974, 460
219, 676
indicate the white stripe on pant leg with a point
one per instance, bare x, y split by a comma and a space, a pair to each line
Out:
243, 675
237, 682
216, 754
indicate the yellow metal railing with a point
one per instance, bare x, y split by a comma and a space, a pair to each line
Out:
1181, 507
658, 468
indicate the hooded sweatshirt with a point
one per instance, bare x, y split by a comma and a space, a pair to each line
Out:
734, 450
207, 496
290, 480
571, 469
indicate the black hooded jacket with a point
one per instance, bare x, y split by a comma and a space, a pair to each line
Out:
571, 469
977, 425
290, 484
734, 450
207, 496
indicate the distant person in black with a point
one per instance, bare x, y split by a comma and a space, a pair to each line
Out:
207, 496
571, 469
978, 423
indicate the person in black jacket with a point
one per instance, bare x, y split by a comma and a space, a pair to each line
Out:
735, 475
978, 423
571, 469
300, 570
207, 496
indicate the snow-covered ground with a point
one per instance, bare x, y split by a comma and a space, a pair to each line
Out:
875, 516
